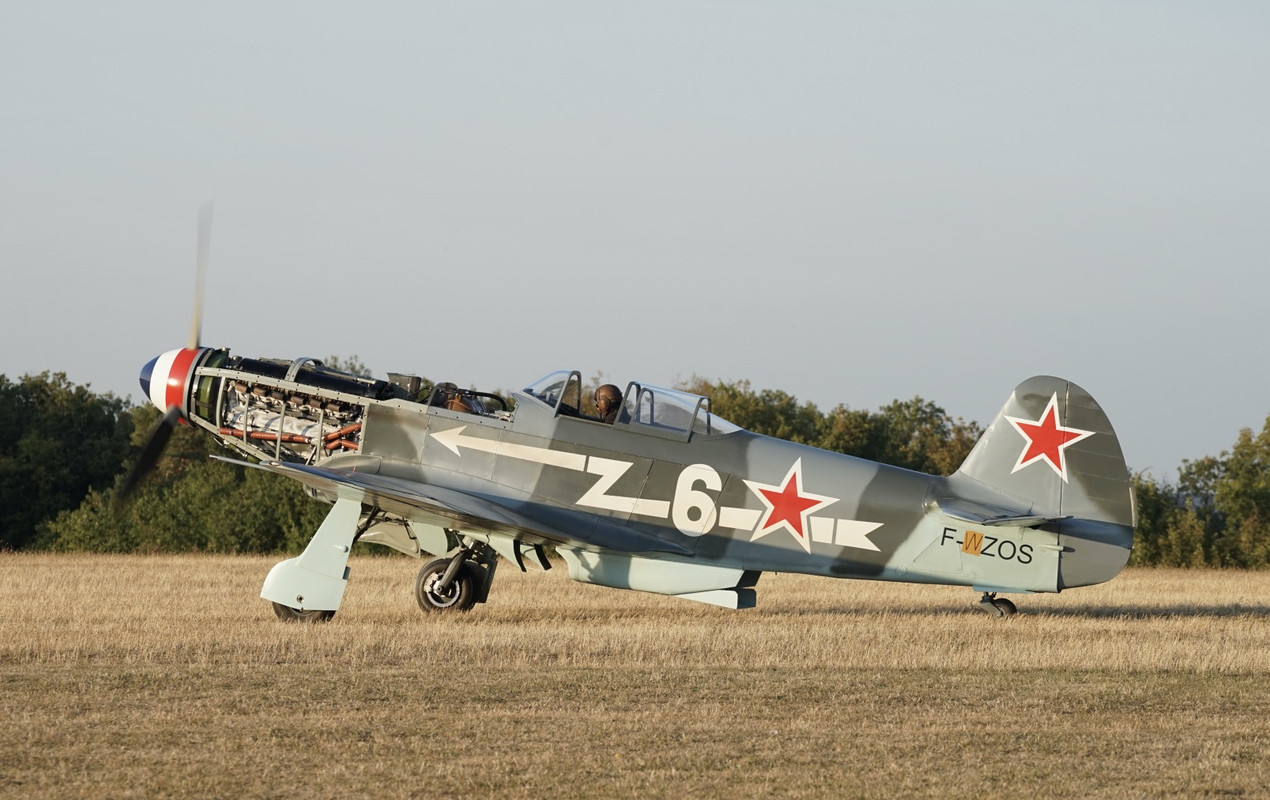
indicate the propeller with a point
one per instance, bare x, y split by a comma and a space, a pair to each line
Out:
157, 441
204, 246
150, 452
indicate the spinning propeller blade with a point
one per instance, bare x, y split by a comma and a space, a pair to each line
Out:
150, 451
204, 246
158, 439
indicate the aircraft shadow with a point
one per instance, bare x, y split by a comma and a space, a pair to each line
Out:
1181, 611
1130, 612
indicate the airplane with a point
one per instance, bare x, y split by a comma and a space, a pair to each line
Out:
667, 498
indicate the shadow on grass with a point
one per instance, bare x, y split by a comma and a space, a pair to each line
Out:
1182, 611
1120, 611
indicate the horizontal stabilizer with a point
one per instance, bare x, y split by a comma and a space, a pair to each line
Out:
983, 514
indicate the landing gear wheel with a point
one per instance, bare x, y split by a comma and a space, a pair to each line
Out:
998, 607
458, 597
289, 614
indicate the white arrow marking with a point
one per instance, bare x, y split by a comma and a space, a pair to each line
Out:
453, 439
855, 533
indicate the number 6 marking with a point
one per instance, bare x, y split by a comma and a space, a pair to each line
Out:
689, 498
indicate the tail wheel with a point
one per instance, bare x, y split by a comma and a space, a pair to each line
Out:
999, 607
289, 614
459, 596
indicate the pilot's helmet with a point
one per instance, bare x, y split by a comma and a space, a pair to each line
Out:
442, 392
608, 394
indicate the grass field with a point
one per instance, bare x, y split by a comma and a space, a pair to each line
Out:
164, 676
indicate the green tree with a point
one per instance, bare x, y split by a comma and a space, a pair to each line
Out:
769, 412
915, 434
212, 507
851, 431
1242, 493
919, 435
1157, 507
352, 365
1184, 542
1171, 531
58, 442
1218, 515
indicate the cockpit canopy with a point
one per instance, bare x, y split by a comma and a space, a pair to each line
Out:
648, 409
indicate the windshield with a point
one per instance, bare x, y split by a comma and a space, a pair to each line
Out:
550, 388
561, 390
653, 408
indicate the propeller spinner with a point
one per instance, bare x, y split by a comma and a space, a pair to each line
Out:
165, 379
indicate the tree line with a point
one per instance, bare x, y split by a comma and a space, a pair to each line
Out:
65, 450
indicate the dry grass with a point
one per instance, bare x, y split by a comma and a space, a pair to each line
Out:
159, 676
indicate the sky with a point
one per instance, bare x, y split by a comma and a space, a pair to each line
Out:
851, 202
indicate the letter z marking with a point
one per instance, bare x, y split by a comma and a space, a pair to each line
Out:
610, 471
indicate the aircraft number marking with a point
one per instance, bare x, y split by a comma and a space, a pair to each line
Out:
688, 498
976, 544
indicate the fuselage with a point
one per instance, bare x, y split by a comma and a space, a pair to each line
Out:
666, 480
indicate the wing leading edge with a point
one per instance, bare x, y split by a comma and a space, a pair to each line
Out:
421, 502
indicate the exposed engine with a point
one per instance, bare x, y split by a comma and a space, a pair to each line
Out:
257, 413
285, 411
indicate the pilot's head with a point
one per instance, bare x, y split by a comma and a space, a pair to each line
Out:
442, 392
607, 397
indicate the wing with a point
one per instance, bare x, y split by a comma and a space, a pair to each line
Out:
451, 508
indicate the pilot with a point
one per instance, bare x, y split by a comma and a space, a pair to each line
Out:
442, 393
459, 403
608, 398
448, 395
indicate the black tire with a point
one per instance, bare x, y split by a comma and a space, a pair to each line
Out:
461, 596
1006, 606
289, 614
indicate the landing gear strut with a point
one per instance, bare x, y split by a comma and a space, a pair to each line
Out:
459, 581
997, 606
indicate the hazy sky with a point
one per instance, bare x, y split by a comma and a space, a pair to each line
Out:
852, 202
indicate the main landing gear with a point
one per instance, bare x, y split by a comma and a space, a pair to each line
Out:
457, 582
997, 606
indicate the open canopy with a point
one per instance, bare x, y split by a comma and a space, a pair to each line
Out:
644, 406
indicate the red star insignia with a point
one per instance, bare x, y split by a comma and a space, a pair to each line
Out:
788, 506
1046, 439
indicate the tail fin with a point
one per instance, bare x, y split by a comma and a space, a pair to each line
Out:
1052, 447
